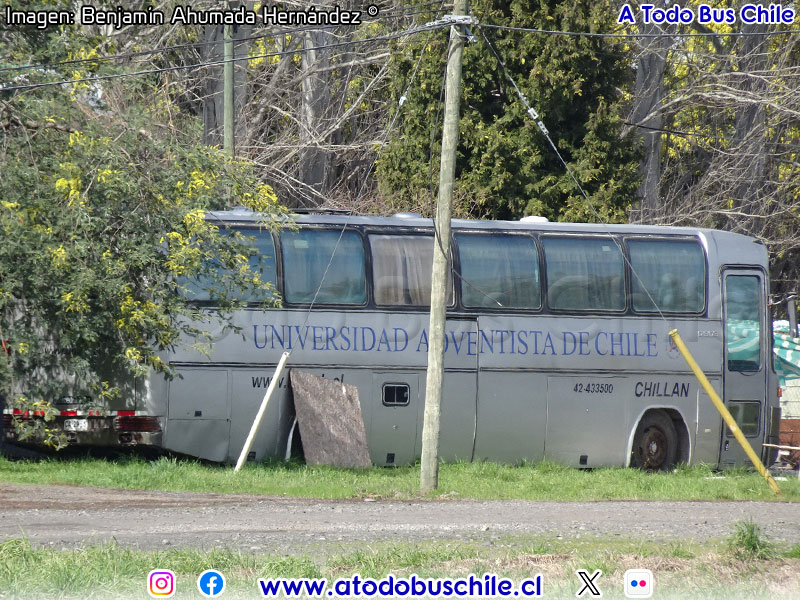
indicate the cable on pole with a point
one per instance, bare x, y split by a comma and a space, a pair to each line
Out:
394, 15
636, 35
400, 103
387, 37
125, 55
537, 119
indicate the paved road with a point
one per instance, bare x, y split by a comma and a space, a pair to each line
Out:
69, 516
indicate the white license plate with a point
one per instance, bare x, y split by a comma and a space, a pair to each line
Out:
76, 425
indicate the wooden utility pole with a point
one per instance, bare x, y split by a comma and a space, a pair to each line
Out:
227, 96
429, 473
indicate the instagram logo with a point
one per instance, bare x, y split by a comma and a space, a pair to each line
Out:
638, 583
161, 583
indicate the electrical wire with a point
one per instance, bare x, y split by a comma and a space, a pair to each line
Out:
112, 57
672, 131
125, 55
437, 238
434, 131
393, 36
391, 15
636, 35
401, 102
538, 121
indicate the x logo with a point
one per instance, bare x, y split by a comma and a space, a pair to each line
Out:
588, 583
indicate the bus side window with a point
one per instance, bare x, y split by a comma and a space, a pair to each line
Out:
672, 272
263, 262
499, 271
306, 256
401, 270
205, 288
584, 273
747, 416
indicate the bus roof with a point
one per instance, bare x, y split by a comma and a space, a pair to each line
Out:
412, 220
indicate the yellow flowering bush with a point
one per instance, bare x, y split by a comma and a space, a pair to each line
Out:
102, 228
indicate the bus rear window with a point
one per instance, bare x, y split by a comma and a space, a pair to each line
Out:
306, 256
499, 271
401, 270
672, 272
584, 273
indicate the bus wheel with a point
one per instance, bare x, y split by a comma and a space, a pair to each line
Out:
655, 445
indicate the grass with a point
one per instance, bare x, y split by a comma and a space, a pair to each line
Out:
743, 566
747, 542
480, 480
713, 570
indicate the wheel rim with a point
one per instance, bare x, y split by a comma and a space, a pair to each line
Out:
653, 448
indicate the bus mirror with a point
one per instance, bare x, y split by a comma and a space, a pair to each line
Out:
791, 308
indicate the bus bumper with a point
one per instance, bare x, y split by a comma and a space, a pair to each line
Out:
108, 432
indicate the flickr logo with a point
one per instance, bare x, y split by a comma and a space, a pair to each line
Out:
161, 583
211, 583
638, 583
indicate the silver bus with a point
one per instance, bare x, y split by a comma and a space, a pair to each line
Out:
557, 344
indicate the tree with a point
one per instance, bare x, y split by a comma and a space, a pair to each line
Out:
102, 204
506, 168
322, 110
647, 96
728, 151
315, 102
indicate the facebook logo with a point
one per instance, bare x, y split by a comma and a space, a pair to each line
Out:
211, 583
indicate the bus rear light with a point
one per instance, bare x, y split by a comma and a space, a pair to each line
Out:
137, 424
6, 421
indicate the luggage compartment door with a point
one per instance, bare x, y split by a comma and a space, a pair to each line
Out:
198, 419
396, 410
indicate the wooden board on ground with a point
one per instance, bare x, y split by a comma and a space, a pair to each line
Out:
331, 425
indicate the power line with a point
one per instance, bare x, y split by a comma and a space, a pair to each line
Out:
662, 130
400, 103
121, 56
437, 238
95, 59
685, 133
392, 36
402, 10
392, 15
636, 35
537, 119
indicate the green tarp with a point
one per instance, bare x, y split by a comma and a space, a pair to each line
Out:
787, 352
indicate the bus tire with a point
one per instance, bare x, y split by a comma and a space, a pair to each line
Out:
655, 444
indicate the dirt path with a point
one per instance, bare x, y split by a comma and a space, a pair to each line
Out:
69, 516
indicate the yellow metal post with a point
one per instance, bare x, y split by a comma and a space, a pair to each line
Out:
726, 415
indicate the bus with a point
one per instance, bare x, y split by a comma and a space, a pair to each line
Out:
557, 345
